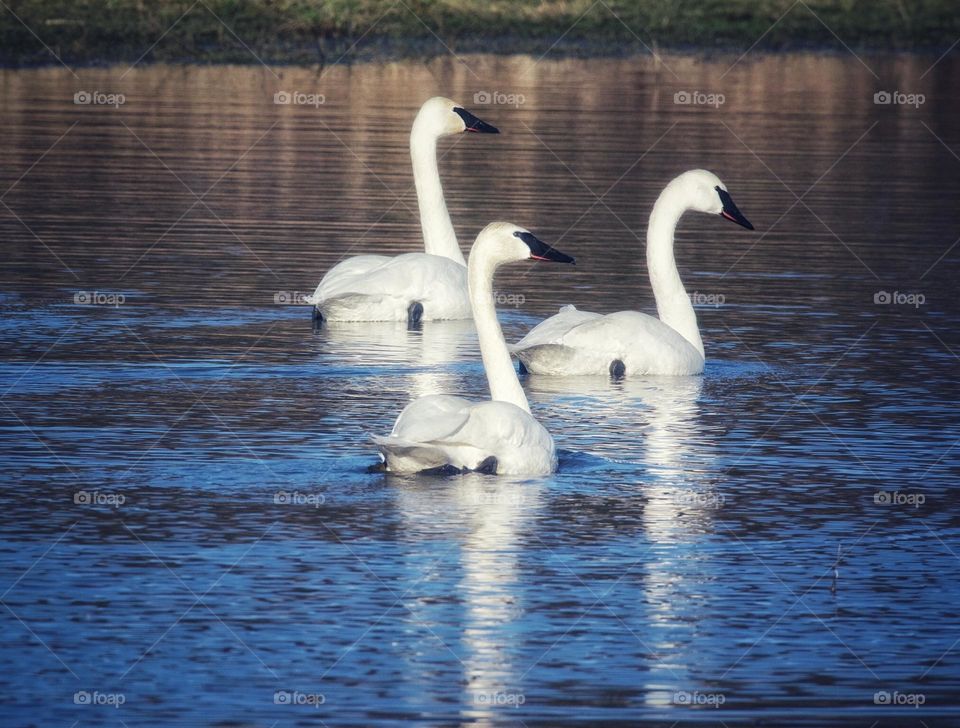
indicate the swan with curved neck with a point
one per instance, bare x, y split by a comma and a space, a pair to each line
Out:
628, 342
412, 287
442, 432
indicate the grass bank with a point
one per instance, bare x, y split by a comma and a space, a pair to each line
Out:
310, 31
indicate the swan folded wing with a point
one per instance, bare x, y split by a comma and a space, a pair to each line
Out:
498, 426
553, 329
434, 418
520, 444
411, 277
429, 434
620, 332
338, 279
645, 344
445, 430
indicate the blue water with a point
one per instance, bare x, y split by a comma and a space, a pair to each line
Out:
193, 533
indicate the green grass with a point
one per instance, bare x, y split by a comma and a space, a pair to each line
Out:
83, 31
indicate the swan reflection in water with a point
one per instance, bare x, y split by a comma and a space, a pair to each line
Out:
423, 355
485, 518
483, 525
650, 421
656, 422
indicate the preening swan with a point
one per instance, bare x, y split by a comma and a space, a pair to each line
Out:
628, 342
414, 286
499, 436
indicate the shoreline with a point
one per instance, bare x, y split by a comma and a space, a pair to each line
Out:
413, 50
283, 32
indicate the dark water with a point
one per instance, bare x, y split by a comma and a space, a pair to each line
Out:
713, 549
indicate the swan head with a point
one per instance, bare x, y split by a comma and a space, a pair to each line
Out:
443, 117
506, 243
705, 192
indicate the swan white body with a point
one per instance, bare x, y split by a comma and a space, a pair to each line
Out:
423, 286
383, 288
498, 436
629, 342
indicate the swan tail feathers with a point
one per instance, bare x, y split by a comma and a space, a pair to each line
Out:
547, 358
406, 456
360, 307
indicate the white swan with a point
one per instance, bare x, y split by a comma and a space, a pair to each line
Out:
413, 286
576, 342
440, 431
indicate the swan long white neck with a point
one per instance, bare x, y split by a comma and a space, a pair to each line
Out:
673, 304
438, 235
501, 376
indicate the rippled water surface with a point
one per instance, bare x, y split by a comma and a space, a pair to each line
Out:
190, 525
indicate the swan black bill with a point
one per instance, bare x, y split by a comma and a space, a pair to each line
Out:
539, 250
730, 210
475, 124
